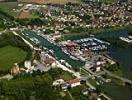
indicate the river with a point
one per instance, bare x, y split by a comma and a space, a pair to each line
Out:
121, 55
124, 57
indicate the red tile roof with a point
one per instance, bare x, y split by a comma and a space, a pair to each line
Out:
49, 61
71, 44
74, 81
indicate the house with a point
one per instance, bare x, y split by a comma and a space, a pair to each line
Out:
71, 44
94, 96
27, 64
49, 61
85, 91
98, 69
15, 70
75, 82
58, 82
64, 86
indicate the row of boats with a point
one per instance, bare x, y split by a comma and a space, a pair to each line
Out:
35, 40
91, 40
74, 57
98, 48
63, 62
91, 43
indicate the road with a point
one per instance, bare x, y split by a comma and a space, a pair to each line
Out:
28, 43
7, 76
94, 75
117, 77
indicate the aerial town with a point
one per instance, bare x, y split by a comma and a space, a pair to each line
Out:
65, 50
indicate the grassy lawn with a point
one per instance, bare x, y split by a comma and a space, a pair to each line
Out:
8, 7
76, 92
10, 55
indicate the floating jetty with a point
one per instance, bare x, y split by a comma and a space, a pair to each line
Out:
126, 39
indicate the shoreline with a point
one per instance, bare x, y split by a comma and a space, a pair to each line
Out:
98, 31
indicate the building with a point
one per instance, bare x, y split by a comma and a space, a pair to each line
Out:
27, 64
15, 70
50, 62
64, 86
75, 82
58, 82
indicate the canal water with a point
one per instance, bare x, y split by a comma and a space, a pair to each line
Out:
57, 50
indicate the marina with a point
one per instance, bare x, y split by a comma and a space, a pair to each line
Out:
65, 59
56, 49
75, 48
92, 43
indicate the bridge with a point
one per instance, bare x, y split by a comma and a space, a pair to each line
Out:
91, 74
117, 77
94, 75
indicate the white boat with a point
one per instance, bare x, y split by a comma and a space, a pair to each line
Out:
51, 51
97, 83
82, 59
68, 65
65, 51
74, 58
62, 61
125, 39
130, 36
35, 40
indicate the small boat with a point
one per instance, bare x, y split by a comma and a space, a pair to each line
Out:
62, 61
82, 59
74, 58
65, 51
68, 65
51, 51
130, 36
97, 83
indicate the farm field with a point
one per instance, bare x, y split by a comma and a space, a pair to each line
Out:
10, 55
26, 14
50, 1
8, 7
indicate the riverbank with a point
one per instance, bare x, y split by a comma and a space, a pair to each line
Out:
96, 31
120, 52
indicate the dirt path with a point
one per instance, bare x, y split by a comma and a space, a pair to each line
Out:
70, 95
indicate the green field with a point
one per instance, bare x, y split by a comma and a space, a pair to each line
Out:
10, 55
109, 1
8, 7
